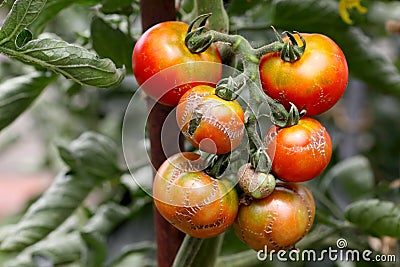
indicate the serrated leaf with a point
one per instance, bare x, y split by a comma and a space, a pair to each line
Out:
51, 9
376, 217
72, 61
111, 43
56, 204
93, 155
354, 175
21, 15
365, 60
17, 94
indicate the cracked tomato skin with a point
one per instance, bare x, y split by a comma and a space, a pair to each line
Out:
220, 126
278, 221
299, 153
191, 200
315, 82
161, 53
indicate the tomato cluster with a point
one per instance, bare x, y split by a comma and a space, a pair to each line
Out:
274, 210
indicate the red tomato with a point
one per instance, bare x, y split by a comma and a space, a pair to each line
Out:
300, 152
315, 82
210, 123
191, 200
278, 221
162, 47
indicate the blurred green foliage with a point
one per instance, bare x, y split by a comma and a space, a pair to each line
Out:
357, 196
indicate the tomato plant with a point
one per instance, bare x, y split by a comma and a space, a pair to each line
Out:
278, 221
315, 82
300, 152
162, 46
210, 123
92, 56
191, 200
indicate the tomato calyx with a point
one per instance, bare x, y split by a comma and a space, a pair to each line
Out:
294, 115
218, 165
291, 51
229, 88
195, 40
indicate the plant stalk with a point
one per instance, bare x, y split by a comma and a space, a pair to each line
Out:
188, 251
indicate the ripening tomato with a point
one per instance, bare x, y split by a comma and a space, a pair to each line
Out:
191, 200
315, 82
300, 152
210, 123
278, 221
161, 53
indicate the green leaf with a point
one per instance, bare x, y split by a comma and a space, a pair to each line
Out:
117, 7
97, 249
238, 7
55, 251
107, 217
365, 60
92, 158
376, 217
307, 15
17, 94
21, 15
112, 43
23, 37
130, 259
134, 255
72, 61
56, 204
51, 9
93, 155
354, 175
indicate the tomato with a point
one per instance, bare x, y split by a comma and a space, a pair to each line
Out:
210, 123
191, 200
255, 184
300, 152
315, 82
161, 47
278, 221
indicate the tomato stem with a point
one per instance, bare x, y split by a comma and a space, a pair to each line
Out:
187, 251
199, 39
259, 158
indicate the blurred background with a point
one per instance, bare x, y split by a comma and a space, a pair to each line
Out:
364, 125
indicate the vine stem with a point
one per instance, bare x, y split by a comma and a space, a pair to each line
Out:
167, 236
251, 59
188, 251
